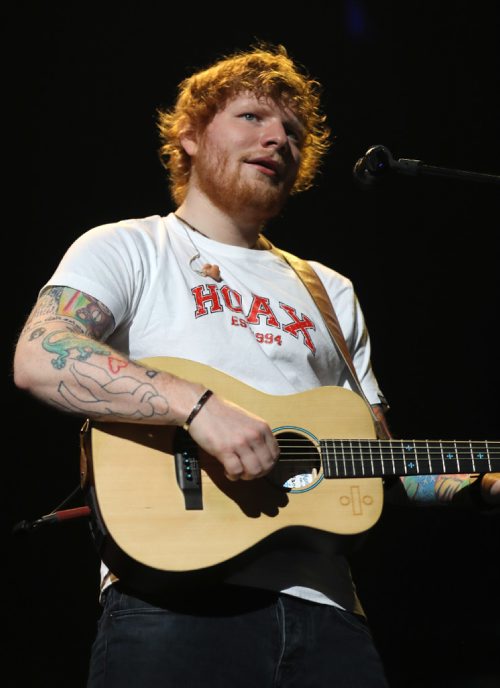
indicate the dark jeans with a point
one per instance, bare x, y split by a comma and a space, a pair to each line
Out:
241, 638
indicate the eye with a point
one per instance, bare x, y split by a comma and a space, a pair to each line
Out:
293, 134
249, 116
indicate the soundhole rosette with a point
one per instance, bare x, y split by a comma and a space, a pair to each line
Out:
299, 468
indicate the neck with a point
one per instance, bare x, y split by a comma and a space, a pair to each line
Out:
214, 223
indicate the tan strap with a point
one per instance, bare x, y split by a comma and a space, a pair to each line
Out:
316, 288
319, 294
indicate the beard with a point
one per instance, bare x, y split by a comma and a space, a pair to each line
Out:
262, 197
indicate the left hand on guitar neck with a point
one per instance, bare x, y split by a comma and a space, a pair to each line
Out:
490, 488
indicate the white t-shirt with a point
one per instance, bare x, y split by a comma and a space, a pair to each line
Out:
258, 324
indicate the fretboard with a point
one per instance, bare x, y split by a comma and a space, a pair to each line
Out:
376, 458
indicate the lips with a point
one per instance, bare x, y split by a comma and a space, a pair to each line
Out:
267, 165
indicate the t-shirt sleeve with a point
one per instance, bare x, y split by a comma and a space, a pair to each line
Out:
106, 263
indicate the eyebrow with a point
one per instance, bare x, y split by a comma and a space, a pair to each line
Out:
291, 119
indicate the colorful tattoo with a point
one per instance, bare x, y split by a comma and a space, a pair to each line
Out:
434, 489
92, 314
63, 343
80, 312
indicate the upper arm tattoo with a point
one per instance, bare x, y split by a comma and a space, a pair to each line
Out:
80, 312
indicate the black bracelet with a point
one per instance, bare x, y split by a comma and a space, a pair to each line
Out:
202, 400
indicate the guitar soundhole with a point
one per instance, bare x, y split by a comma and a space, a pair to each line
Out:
299, 466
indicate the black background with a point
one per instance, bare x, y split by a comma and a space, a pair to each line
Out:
81, 87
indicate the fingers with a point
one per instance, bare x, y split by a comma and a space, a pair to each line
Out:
490, 486
252, 458
242, 442
273, 446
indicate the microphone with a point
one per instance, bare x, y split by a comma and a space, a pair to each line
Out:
378, 162
374, 164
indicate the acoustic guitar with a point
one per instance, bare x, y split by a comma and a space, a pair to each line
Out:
163, 511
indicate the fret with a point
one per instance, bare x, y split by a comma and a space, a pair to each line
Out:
398, 457
443, 462
340, 458
422, 456
489, 459
409, 457
372, 465
332, 461
429, 457
327, 462
465, 459
355, 463
344, 463
360, 456
381, 444
393, 463
378, 449
358, 461
480, 452
473, 457
436, 463
355, 466
450, 457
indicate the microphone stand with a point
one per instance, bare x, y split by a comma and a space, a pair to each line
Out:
378, 160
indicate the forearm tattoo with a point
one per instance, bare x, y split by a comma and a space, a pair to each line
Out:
97, 385
434, 489
96, 393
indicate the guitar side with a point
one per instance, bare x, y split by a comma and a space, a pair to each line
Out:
132, 481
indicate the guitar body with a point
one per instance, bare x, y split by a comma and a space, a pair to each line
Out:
150, 530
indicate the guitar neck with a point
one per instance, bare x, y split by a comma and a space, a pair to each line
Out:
378, 458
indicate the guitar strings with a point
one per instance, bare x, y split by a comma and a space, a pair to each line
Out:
387, 450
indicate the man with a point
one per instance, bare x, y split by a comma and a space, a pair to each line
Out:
198, 285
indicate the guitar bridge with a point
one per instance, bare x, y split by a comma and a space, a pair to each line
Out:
187, 470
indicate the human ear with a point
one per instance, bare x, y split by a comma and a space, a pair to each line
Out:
189, 142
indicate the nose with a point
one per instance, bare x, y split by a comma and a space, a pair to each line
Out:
274, 135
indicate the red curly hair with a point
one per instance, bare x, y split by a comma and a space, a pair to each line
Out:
266, 71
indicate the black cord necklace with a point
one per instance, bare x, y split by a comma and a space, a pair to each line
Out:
207, 269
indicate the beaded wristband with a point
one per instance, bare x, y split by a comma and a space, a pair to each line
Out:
201, 401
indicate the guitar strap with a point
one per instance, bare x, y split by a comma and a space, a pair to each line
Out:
315, 287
